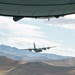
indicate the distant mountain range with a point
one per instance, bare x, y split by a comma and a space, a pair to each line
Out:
25, 55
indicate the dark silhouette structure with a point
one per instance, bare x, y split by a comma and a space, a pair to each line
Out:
38, 49
19, 9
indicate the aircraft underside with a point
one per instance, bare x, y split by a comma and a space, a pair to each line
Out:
36, 8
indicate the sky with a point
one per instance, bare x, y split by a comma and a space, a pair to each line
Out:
54, 32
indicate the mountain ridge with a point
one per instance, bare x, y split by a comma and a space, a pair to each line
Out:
17, 54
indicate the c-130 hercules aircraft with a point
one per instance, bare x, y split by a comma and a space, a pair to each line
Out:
38, 49
19, 9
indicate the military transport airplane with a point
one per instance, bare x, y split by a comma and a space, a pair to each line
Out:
38, 49
19, 9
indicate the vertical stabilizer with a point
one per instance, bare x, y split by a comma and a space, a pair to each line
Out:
34, 45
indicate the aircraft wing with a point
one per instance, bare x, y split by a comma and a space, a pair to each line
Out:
44, 48
27, 49
36, 8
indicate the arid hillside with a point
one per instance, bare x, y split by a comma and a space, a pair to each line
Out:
58, 67
39, 68
7, 64
62, 62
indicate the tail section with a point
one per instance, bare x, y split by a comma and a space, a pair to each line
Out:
34, 45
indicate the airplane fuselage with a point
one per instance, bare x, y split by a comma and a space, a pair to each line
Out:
37, 50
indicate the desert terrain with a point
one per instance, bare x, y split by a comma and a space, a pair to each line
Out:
14, 67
